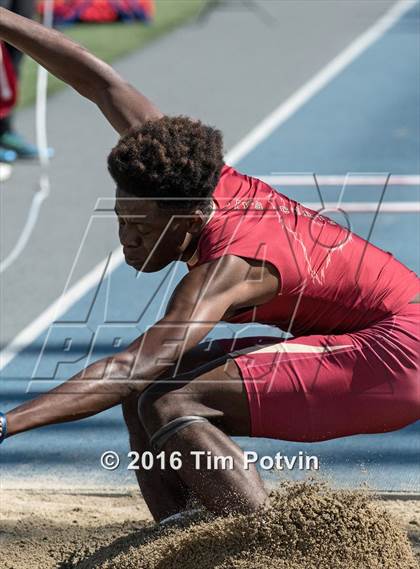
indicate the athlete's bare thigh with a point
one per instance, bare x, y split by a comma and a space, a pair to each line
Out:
206, 382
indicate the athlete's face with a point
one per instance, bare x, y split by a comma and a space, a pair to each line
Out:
152, 237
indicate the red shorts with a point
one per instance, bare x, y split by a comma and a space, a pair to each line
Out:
314, 388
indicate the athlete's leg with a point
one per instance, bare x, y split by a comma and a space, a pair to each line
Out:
219, 396
162, 490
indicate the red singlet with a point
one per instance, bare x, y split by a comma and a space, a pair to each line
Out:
352, 366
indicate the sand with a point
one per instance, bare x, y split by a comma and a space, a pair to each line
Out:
307, 526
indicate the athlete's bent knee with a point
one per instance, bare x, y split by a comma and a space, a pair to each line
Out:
156, 409
166, 432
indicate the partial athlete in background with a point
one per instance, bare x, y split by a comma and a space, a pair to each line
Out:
7, 102
12, 144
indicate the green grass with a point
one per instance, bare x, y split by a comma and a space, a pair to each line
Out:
110, 41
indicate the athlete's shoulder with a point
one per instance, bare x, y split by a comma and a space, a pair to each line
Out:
228, 170
234, 187
231, 184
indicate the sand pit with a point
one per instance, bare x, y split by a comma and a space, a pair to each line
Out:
306, 526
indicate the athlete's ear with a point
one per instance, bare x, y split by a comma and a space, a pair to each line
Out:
196, 222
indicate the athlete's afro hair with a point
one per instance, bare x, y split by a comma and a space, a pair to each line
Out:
171, 157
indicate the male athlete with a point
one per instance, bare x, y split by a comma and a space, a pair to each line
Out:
253, 255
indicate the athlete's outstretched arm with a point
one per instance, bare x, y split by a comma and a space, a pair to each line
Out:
199, 303
122, 105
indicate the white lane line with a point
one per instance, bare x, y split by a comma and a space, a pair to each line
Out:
366, 207
59, 307
318, 82
275, 119
43, 190
350, 180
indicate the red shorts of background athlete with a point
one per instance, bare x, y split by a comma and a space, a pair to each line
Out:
8, 83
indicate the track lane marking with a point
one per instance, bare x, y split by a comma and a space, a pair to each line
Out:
239, 151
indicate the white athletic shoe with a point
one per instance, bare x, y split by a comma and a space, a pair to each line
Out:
5, 172
179, 516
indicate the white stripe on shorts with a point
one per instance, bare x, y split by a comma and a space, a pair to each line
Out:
290, 348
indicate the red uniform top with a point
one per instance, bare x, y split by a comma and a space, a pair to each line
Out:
331, 280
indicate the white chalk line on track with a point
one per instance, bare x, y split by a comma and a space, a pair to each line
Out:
320, 80
248, 143
43, 190
60, 306
280, 179
353, 180
365, 207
